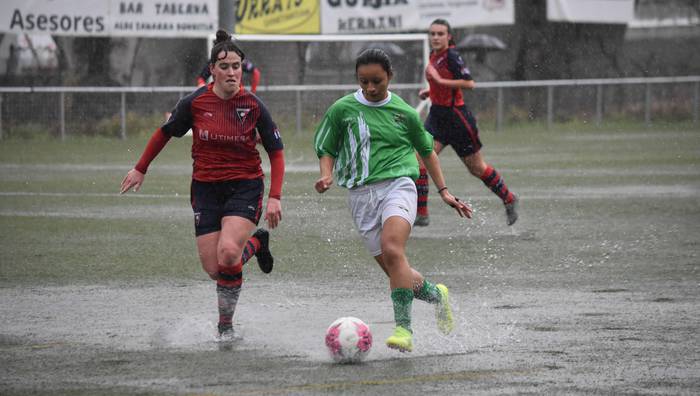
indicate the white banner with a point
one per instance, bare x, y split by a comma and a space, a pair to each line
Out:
149, 18
590, 11
390, 16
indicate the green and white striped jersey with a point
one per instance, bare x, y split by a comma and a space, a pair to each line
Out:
372, 141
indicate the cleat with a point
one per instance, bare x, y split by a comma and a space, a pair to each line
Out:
402, 340
443, 312
265, 259
512, 211
421, 221
226, 332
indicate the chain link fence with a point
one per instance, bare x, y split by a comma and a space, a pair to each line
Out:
122, 111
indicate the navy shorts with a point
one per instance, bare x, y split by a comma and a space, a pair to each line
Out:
456, 127
211, 201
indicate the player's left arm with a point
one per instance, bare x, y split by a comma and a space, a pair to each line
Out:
432, 164
423, 144
272, 142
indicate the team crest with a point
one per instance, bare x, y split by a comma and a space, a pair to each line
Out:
242, 112
399, 118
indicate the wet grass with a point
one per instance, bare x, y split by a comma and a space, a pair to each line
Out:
594, 290
62, 220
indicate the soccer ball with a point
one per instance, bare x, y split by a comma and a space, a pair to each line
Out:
348, 340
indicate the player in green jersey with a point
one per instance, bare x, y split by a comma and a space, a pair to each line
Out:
368, 139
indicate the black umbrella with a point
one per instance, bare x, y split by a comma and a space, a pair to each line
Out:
481, 44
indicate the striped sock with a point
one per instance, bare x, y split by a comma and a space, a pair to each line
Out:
227, 299
403, 300
251, 247
427, 292
493, 180
228, 287
422, 186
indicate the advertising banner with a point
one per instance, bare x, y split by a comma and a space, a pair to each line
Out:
590, 11
278, 17
392, 16
148, 18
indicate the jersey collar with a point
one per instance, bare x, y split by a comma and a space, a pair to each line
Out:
361, 98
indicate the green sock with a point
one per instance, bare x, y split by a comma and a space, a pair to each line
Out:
403, 299
428, 293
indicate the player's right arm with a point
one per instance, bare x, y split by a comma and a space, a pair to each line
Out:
134, 178
326, 180
326, 144
178, 124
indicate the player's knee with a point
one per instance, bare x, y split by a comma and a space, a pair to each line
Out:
476, 169
392, 252
229, 254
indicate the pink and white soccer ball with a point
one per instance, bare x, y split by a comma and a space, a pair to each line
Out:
348, 340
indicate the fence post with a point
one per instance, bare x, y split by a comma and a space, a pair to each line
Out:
499, 109
550, 106
298, 98
647, 105
599, 105
1, 136
696, 102
123, 116
62, 114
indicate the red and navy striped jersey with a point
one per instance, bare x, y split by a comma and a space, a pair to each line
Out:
449, 64
224, 133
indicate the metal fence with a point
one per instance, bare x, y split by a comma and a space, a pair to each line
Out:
119, 111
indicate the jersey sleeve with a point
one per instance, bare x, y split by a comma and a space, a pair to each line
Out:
420, 138
327, 137
267, 129
455, 63
180, 120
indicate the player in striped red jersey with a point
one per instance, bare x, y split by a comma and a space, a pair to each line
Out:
227, 178
451, 123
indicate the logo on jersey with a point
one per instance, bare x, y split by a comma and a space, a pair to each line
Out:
242, 112
277, 134
197, 218
204, 134
399, 118
208, 114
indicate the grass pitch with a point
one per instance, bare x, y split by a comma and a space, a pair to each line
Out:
595, 289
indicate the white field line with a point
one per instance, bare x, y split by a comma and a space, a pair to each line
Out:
569, 194
184, 169
683, 191
313, 169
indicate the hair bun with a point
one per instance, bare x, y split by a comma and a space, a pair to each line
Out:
221, 36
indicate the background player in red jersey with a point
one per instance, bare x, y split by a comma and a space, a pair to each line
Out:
227, 177
249, 69
451, 123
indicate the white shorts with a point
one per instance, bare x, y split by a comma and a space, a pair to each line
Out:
371, 205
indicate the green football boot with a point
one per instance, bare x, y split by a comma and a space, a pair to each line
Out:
443, 312
402, 340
